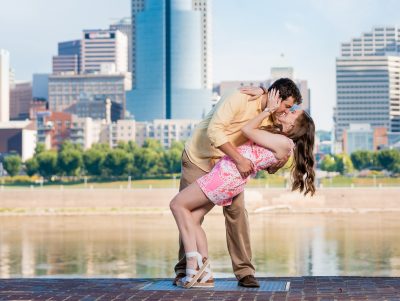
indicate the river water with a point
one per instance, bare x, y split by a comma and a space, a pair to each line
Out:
146, 245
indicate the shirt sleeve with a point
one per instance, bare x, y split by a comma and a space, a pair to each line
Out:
224, 116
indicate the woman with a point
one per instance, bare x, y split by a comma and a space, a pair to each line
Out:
295, 134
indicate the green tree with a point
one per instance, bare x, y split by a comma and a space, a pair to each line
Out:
40, 147
69, 160
153, 144
68, 145
12, 164
130, 146
31, 166
101, 146
389, 159
328, 163
344, 164
173, 156
172, 160
117, 162
149, 160
149, 163
47, 163
363, 159
178, 145
94, 160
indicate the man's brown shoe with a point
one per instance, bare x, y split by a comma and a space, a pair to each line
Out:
248, 281
178, 278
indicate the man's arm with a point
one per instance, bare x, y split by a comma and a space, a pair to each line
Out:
221, 120
244, 165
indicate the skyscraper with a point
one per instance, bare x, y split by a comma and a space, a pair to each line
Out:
124, 25
168, 63
20, 100
204, 7
40, 85
65, 63
136, 7
64, 90
68, 58
4, 85
367, 85
104, 47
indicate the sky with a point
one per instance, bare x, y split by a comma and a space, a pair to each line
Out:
249, 36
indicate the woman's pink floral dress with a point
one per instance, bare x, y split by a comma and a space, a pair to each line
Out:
224, 181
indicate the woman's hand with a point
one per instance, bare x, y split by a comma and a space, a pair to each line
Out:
274, 101
254, 92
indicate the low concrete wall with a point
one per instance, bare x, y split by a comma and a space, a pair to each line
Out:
257, 200
331, 199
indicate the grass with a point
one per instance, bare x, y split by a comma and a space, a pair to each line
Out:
341, 181
276, 181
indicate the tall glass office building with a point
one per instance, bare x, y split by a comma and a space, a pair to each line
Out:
367, 81
168, 62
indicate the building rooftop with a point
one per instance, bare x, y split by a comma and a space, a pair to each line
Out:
17, 124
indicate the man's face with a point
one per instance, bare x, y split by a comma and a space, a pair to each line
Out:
285, 106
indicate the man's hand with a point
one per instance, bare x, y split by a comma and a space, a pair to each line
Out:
275, 167
245, 167
254, 92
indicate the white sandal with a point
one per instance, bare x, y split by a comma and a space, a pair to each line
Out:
193, 275
207, 279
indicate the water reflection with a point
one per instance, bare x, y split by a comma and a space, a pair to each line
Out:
146, 246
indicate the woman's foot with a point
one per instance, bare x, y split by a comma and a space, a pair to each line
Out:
206, 279
194, 269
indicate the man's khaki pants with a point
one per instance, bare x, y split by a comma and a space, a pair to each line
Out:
236, 223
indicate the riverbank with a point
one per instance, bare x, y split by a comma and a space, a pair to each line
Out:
37, 201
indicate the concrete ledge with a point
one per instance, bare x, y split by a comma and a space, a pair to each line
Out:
131, 201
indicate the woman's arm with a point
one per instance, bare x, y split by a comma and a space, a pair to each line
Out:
278, 144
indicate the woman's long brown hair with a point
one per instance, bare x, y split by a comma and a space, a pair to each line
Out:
302, 134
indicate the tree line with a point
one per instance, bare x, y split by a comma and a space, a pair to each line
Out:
126, 159
388, 159
153, 161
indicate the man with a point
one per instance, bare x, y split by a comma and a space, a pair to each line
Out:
217, 135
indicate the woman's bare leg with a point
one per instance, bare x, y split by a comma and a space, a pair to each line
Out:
182, 207
201, 238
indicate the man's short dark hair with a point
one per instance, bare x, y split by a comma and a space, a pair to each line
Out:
287, 88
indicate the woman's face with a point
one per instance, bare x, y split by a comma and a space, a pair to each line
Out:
288, 120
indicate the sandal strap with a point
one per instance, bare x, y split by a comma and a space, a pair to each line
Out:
189, 281
197, 255
207, 274
191, 272
191, 254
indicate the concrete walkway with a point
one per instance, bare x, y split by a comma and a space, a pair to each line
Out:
299, 288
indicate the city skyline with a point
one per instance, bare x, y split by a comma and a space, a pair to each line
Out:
305, 24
